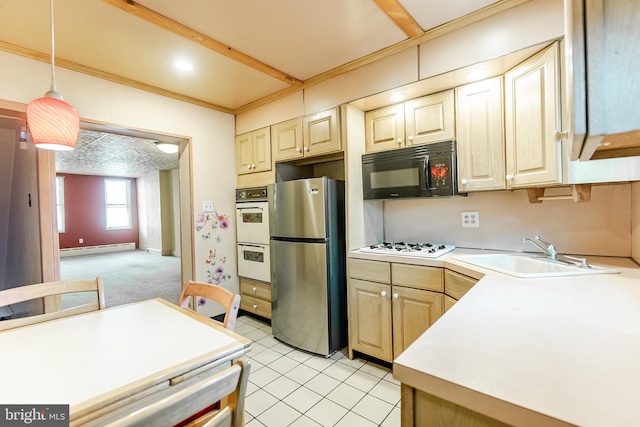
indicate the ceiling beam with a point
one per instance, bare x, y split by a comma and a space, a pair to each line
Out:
153, 17
401, 17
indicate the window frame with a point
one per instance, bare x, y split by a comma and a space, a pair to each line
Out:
128, 206
60, 207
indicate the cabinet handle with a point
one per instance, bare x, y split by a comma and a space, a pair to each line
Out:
298, 150
255, 290
463, 181
399, 140
253, 166
509, 177
306, 148
383, 293
255, 306
410, 138
395, 295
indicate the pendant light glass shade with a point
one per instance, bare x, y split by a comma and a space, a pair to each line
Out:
53, 124
166, 147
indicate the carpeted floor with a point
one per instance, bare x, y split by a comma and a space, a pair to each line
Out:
128, 276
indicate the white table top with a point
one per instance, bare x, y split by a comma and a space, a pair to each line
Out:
78, 359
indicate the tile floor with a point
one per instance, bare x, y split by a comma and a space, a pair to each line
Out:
289, 387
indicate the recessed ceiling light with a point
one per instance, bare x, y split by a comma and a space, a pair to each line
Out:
166, 147
478, 74
184, 65
397, 97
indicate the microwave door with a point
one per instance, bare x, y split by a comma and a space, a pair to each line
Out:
394, 179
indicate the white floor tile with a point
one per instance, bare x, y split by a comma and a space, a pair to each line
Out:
255, 365
282, 348
322, 384
251, 387
299, 356
243, 329
256, 334
386, 391
302, 399
355, 363
375, 369
319, 363
254, 423
281, 387
301, 374
389, 377
393, 419
362, 381
339, 371
345, 395
354, 420
266, 357
279, 415
304, 421
256, 348
283, 365
373, 409
247, 417
259, 402
268, 341
263, 377
326, 413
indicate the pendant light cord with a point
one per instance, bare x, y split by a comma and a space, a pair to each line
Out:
53, 54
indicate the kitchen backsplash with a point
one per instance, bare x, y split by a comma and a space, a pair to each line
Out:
602, 226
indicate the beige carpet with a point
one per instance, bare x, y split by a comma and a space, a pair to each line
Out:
128, 276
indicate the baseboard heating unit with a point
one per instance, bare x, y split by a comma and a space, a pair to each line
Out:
100, 249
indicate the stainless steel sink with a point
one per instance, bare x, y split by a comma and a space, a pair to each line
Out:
524, 266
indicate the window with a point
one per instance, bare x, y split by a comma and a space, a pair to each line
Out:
118, 203
60, 202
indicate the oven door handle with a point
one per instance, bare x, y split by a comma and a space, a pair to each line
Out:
427, 174
250, 207
253, 246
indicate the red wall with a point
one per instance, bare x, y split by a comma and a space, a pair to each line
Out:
85, 213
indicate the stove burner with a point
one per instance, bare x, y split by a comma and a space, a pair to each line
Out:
428, 250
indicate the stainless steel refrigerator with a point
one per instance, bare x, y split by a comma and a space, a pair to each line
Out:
308, 284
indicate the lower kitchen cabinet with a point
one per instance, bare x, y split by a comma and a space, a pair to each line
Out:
455, 286
255, 297
390, 305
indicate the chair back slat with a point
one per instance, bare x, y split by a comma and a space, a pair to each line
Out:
224, 297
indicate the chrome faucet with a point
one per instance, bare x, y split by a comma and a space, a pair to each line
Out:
546, 247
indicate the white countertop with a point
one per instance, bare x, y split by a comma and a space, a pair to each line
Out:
528, 351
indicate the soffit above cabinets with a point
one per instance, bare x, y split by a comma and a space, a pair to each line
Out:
137, 43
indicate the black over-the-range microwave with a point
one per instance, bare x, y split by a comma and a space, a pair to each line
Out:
419, 171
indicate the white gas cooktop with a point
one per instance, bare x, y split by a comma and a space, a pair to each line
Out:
421, 250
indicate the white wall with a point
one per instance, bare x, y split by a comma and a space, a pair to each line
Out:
211, 133
600, 227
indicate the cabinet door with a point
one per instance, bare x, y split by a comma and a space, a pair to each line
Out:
370, 318
532, 101
480, 136
384, 128
286, 140
244, 153
261, 144
456, 285
413, 312
321, 133
430, 119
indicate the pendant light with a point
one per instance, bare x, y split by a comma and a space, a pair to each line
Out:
53, 124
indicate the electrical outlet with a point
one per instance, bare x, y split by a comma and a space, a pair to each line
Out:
81, 240
207, 206
470, 219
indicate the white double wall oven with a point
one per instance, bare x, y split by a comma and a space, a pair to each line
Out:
252, 216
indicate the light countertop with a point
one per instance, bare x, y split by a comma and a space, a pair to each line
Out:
534, 351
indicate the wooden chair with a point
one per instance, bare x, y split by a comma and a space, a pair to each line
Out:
51, 292
224, 297
175, 404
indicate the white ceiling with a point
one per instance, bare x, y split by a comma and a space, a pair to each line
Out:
299, 39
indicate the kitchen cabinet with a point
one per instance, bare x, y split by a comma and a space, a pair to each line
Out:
532, 118
455, 286
420, 121
255, 297
602, 97
321, 133
480, 136
253, 151
286, 140
390, 305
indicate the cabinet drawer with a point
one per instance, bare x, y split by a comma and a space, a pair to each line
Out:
448, 302
375, 271
418, 277
256, 306
255, 289
456, 284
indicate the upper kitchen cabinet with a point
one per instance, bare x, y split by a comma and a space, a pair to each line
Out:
532, 108
602, 63
286, 140
416, 122
321, 133
253, 151
480, 136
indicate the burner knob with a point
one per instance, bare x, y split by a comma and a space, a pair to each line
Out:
441, 247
